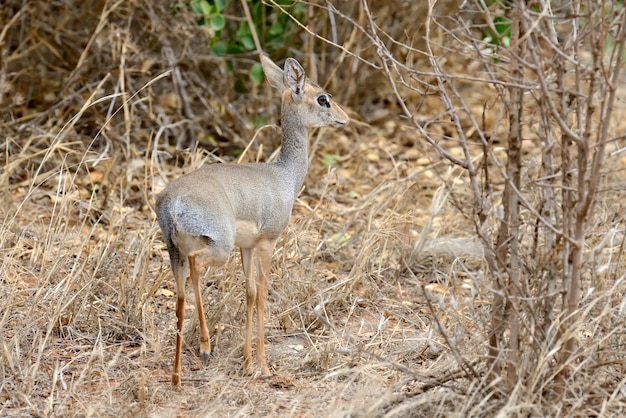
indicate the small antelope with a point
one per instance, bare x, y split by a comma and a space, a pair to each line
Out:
206, 213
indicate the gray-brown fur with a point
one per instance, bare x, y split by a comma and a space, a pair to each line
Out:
206, 213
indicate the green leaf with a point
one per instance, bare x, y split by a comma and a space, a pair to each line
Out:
502, 25
205, 7
247, 42
259, 121
195, 6
256, 74
220, 4
257, 11
276, 29
330, 160
244, 29
234, 48
299, 9
219, 48
218, 22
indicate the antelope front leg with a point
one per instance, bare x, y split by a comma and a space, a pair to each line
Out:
251, 295
264, 254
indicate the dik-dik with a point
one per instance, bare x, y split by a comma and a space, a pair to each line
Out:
206, 213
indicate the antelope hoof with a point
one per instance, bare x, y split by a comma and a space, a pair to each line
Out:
205, 356
250, 370
247, 369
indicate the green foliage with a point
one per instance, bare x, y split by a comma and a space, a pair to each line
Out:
500, 9
210, 12
256, 73
233, 36
502, 34
259, 120
330, 160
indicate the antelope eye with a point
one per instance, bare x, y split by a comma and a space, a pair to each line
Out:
323, 101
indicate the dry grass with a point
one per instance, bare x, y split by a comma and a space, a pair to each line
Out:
379, 302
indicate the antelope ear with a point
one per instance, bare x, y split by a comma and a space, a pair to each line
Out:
294, 78
273, 73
